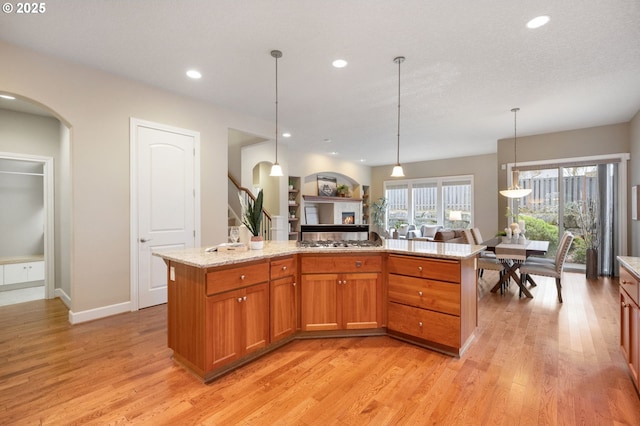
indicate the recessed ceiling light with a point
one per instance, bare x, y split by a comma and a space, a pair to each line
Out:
7, 97
362, 160
334, 153
327, 140
339, 63
286, 135
538, 21
194, 74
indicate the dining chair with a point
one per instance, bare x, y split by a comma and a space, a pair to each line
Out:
486, 258
549, 269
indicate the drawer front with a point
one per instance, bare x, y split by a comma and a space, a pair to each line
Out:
341, 264
630, 284
435, 269
237, 277
423, 293
423, 324
283, 267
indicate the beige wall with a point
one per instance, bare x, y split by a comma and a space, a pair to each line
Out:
98, 107
485, 176
634, 179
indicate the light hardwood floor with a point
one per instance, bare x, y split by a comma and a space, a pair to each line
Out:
533, 361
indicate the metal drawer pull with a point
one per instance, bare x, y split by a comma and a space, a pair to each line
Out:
242, 277
339, 281
420, 323
420, 293
239, 299
294, 284
244, 298
284, 268
420, 268
358, 263
624, 305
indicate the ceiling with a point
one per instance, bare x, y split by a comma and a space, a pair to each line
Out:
467, 64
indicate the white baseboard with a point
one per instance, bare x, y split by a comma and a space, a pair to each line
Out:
97, 313
63, 296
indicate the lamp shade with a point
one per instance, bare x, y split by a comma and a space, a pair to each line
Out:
514, 190
397, 171
276, 170
455, 215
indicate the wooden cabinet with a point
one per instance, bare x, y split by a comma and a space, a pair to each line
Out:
341, 292
432, 301
217, 316
630, 322
284, 298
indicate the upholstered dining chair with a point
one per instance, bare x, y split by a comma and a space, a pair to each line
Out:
487, 259
549, 269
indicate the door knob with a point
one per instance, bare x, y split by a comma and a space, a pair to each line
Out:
144, 240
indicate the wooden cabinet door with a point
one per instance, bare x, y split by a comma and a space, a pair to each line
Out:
224, 320
255, 307
319, 302
283, 308
359, 300
634, 361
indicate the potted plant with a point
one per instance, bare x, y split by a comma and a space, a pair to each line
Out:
342, 190
587, 220
252, 218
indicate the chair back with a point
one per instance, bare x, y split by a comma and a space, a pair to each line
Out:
563, 250
511, 252
468, 236
477, 236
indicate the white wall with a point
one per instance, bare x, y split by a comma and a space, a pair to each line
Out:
98, 107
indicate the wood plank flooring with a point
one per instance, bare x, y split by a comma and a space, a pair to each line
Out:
533, 361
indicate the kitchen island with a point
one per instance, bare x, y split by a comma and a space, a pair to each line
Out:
228, 308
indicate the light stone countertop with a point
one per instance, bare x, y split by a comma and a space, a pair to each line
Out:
21, 259
199, 258
632, 264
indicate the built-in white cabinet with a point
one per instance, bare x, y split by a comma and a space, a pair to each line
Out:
15, 273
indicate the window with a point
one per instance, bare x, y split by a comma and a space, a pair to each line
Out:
446, 201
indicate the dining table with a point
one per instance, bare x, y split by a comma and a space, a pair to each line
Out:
511, 254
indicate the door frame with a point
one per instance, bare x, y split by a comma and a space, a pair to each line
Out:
134, 123
49, 213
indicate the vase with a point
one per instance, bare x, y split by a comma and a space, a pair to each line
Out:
256, 243
592, 263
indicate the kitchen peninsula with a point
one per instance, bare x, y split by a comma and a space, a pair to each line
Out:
228, 308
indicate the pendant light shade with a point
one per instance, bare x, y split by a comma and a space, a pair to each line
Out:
514, 190
397, 169
276, 170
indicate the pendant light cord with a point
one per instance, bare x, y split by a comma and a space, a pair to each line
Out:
399, 60
515, 137
276, 54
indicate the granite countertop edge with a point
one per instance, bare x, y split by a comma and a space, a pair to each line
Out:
199, 258
632, 264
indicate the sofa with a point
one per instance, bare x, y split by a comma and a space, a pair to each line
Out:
450, 236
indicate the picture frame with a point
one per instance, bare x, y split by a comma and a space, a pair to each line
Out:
327, 186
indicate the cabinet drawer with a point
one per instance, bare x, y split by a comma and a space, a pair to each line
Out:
237, 277
436, 269
427, 325
629, 283
423, 293
340, 264
283, 267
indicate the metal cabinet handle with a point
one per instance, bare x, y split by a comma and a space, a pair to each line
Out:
242, 277
420, 268
358, 263
239, 299
624, 305
339, 281
420, 293
284, 268
420, 324
244, 299
144, 240
294, 284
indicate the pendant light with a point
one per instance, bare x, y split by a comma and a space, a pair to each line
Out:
514, 190
276, 170
397, 169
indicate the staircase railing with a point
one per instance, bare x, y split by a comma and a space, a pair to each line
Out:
245, 193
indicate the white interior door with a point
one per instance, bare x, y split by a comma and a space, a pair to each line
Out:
166, 203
